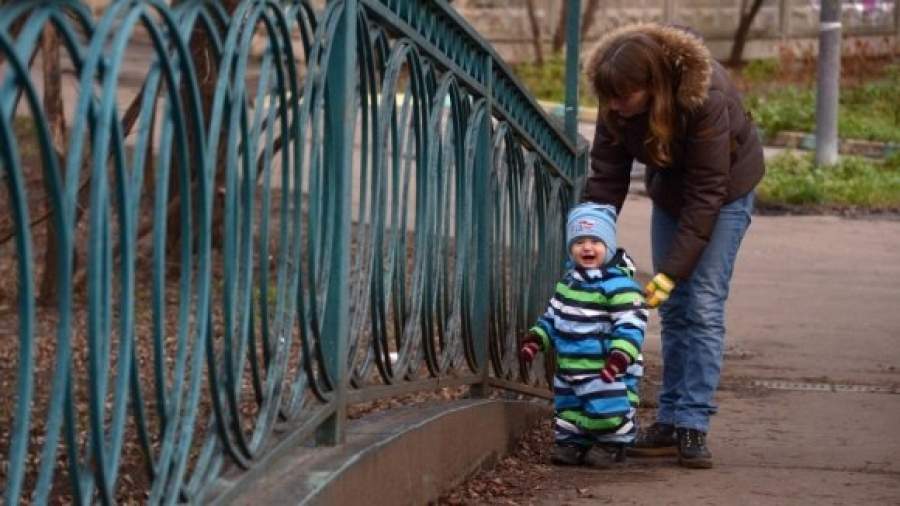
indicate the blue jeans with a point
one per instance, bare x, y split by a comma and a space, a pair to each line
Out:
693, 319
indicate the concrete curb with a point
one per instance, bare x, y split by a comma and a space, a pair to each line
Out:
807, 141
784, 139
402, 456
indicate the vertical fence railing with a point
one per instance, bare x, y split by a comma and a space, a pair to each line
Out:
255, 217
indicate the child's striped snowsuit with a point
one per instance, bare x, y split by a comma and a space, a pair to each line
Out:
593, 312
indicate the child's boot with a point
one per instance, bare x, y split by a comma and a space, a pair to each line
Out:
567, 455
605, 456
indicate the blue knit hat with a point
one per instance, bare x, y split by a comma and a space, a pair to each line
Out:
592, 220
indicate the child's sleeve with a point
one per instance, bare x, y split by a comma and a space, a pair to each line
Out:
629, 320
544, 328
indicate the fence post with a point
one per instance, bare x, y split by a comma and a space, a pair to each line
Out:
668, 10
896, 24
482, 179
340, 113
784, 18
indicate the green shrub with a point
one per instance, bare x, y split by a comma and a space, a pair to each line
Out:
892, 162
548, 81
761, 71
794, 179
791, 108
870, 111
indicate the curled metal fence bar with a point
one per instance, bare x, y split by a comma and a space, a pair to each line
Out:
240, 221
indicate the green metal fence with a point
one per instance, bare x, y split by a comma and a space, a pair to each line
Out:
232, 225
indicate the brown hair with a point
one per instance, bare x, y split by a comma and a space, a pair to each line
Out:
634, 62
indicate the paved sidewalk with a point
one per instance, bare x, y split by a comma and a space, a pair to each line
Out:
814, 303
810, 397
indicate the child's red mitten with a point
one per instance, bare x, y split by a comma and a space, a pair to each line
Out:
616, 363
530, 348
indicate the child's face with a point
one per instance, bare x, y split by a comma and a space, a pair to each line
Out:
588, 252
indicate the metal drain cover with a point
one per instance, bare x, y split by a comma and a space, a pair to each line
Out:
824, 387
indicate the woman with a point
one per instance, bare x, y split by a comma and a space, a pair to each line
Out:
665, 102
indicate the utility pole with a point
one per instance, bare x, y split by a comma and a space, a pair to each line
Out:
829, 79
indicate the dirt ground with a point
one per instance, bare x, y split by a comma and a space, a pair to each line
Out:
775, 460
526, 473
810, 394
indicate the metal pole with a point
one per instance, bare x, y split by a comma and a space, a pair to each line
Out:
341, 117
829, 75
481, 303
573, 16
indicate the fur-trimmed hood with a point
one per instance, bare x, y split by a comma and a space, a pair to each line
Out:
685, 50
716, 156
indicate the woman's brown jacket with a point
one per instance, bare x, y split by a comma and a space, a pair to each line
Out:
716, 157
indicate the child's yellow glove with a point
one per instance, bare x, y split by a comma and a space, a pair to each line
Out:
658, 290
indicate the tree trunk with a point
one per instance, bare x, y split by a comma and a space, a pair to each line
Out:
740, 36
205, 61
207, 74
53, 107
587, 20
535, 32
559, 35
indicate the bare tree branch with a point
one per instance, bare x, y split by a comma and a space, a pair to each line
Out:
559, 35
535, 32
743, 30
588, 17
53, 107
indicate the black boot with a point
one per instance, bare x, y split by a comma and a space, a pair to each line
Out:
656, 440
692, 450
568, 455
605, 456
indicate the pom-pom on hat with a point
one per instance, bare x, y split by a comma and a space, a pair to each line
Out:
592, 220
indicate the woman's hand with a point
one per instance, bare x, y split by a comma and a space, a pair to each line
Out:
658, 290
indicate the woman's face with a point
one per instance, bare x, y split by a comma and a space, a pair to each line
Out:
630, 105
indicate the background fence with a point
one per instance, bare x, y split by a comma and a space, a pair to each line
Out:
779, 22
222, 227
